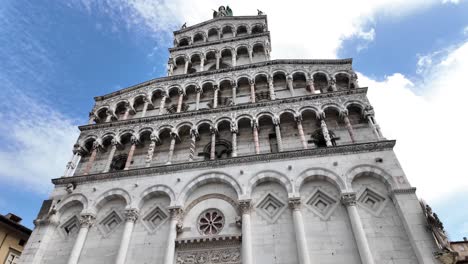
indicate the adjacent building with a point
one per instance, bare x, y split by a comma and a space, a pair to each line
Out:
235, 158
13, 238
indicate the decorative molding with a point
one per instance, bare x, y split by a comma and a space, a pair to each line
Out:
404, 191
220, 41
163, 169
348, 199
227, 239
216, 19
231, 70
208, 112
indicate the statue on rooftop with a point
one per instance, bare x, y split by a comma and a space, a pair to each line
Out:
260, 12
222, 11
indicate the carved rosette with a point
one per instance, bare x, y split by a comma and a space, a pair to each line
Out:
87, 220
131, 215
348, 199
295, 203
245, 206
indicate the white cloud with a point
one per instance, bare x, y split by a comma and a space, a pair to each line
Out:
312, 29
37, 144
429, 128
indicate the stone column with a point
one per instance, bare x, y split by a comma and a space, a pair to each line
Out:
109, 115
332, 82
92, 118
289, 84
186, 66
171, 148
131, 215
299, 231
179, 102
127, 111
163, 104
89, 165
38, 241
218, 57
300, 129
145, 106
349, 201
354, 80
255, 136
409, 210
369, 115
170, 71
202, 63
213, 131
152, 146
245, 208
349, 127
325, 132
174, 225
252, 91
113, 147
234, 92
250, 56
197, 102
86, 221
271, 88
193, 143
72, 164
134, 142
279, 141
215, 97
234, 131
234, 58
310, 84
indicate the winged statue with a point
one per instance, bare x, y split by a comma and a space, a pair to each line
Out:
222, 11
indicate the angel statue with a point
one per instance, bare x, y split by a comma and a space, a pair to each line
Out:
222, 11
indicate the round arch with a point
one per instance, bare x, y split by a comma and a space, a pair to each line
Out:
159, 188
209, 178
110, 194
373, 171
270, 175
320, 174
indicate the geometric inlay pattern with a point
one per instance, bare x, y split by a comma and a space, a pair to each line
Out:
210, 222
72, 226
110, 223
321, 204
155, 218
271, 207
372, 201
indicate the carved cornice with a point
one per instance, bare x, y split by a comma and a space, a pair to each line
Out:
220, 41
218, 241
230, 70
208, 112
315, 152
216, 19
404, 191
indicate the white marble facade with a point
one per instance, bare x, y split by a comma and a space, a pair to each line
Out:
233, 158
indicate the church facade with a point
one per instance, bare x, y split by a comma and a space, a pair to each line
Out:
234, 158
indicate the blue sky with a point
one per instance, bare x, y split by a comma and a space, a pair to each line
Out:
56, 56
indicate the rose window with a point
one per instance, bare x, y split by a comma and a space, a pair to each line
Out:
210, 222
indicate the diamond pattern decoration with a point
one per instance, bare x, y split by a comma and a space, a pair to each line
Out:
271, 207
321, 204
71, 227
155, 218
110, 223
372, 201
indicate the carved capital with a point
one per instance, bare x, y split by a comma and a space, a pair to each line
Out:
154, 137
176, 212
213, 130
298, 118
131, 215
276, 121
245, 206
295, 203
134, 140
87, 220
344, 113
194, 133
251, 81
234, 128
348, 199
